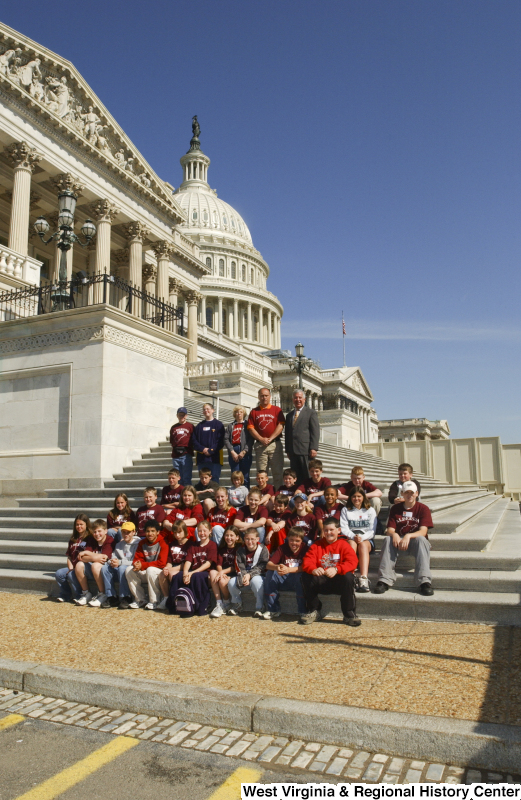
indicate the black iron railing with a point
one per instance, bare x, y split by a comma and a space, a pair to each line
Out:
88, 291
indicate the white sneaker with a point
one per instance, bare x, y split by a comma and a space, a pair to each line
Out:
137, 604
218, 611
85, 598
363, 584
271, 614
98, 600
60, 600
151, 606
258, 613
235, 608
162, 604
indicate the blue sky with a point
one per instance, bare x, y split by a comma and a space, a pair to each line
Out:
374, 150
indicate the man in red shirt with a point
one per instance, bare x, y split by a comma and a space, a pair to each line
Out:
407, 531
150, 510
265, 424
182, 450
373, 494
328, 568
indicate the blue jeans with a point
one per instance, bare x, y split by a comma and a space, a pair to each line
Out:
243, 465
217, 534
108, 574
257, 587
274, 583
185, 465
68, 583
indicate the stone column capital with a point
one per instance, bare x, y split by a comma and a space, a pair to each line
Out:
193, 298
104, 210
67, 181
162, 249
121, 257
136, 230
174, 285
23, 155
149, 272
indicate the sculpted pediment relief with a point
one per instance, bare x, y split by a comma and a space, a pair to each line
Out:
357, 381
51, 84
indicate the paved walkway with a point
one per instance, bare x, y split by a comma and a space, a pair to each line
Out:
451, 670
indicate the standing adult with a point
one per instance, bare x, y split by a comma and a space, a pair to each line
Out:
182, 450
302, 436
239, 444
208, 440
265, 424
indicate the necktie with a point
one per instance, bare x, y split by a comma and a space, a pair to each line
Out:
295, 415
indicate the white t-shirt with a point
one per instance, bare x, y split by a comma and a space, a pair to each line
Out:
358, 521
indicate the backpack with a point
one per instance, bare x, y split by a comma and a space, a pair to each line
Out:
184, 601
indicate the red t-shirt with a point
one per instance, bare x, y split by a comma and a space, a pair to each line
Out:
265, 420
117, 520
182, 514
308, 522
310, 486
171, 494
268, 489
74, 549
345, 488
409, 520
144, 513
285, 555
289, 492
236, 432
226, 559
177, 553
321, 512
244, 514
197, 555
106, 548
224, 518
181, 436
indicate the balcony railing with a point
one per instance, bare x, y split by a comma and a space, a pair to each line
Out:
88, 291
18, 267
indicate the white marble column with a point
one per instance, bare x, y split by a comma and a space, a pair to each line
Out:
162, 249
219, 326
271, 334
193, 299
277, 332
149, 278
249, 337
203, 310
174, 287
136, 234
104, 212
236, 329
24, 159
231, 324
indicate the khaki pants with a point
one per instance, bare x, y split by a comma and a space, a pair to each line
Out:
270, 455
136, 580
376, 503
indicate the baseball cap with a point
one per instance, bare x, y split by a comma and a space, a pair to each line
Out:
301, 495
182, 410
409, 486
128, 526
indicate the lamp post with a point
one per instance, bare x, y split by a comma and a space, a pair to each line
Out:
66, 238
299, 363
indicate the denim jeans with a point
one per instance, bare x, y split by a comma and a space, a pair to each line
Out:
274, 583
243, 465
257, 587
185, 465
68, 583
108, 575
217, 534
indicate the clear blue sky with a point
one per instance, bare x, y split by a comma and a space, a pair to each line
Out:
374, 150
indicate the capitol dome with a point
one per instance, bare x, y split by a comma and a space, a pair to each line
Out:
206, 212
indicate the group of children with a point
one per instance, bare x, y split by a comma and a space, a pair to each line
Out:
206, 540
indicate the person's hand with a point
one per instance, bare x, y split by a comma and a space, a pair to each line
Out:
396, 539
331, 572
267, 540
166, 572
404, 544
103, 558
319, 571
186, 578
114, 562
358, 538
225, 578
235, 456
206, 451
265, 441
282, 569
313, 453
137, 566
246, 580
398, 499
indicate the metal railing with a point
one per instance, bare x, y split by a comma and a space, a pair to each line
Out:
82, 292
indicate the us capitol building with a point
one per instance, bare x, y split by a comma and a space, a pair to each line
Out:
90, 379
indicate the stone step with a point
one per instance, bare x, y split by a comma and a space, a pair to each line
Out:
451, 518
30, 534
34, 548
30, 580
41, 512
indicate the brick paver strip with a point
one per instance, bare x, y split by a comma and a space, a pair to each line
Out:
435, 772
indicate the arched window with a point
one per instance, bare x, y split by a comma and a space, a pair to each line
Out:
205, 216
215, 219
194, 214
234, 270
233, 222
209, 316
209, 262
225, 221
255, 328
224, 322
243, 272
221, 267
251, 275
245, 325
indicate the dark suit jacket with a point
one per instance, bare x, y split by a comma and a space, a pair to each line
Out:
305, 435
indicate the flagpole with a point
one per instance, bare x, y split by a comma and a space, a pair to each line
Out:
344, 337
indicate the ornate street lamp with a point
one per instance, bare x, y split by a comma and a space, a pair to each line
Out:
299, 362
66, 238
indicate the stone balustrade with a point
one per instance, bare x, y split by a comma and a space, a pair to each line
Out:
19, 267
227, 366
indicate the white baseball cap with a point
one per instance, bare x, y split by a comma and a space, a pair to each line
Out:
409, 486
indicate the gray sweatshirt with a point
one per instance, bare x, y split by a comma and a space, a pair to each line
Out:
125, 552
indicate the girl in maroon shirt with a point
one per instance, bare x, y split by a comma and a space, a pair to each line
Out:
120, 513
221, 516
332, 508
190, 512
65, 577
178, 544
200, 558
225, 570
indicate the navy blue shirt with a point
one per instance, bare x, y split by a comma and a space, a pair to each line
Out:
210, 435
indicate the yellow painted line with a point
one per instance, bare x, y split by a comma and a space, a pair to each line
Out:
12, 719
231, 788
59, 783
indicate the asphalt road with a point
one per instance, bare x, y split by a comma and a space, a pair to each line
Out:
35, 751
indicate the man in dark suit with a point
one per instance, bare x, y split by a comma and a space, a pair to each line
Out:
302, 435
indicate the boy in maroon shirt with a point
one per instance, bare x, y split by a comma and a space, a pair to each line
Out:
181, 435
289, 487
283, 572
373, 494
301, 518
151, 510
407, 531
253, 515
268, 491
171, 494
332, 508
276, 523
149, 561
98, 549
315, 486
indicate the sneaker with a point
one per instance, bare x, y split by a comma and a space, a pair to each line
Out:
151, 606
363, 584
137, 604
85, 598
235, 608
161, 606
98, 600
258, 613
426, 589
60, 599
381, 587
353, 622
307, 619
271, 614
124, 603
108, 603
218, 611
